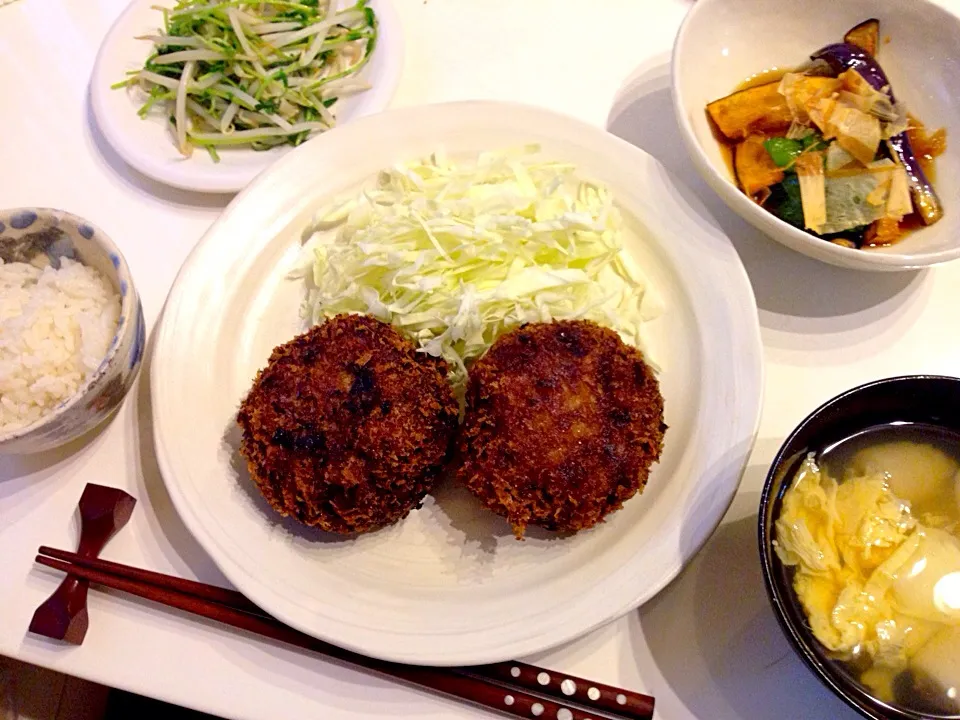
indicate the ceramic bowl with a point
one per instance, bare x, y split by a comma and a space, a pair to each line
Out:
26, 233
723, 42
931, 400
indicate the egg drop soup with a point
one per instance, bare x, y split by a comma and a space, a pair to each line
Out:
871, 529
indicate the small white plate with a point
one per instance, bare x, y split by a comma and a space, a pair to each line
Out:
450, 585
147, 145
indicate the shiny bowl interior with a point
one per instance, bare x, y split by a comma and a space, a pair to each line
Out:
934, 400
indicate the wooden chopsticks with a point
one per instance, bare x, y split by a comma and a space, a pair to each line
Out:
512, 688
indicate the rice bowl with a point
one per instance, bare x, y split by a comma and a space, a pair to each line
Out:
71, 329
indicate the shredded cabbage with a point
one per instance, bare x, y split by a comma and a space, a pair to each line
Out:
456, 253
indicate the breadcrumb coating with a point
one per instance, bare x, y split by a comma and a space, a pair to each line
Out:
348, 427
563, 422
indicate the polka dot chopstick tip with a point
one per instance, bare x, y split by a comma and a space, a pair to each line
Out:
605, 699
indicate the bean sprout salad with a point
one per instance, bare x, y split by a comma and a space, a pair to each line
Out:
254, 73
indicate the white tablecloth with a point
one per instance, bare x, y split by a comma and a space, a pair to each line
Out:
707, 647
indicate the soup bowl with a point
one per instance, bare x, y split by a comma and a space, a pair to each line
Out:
899, 401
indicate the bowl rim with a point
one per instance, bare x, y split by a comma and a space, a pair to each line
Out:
129, 307
802, 641
737, 201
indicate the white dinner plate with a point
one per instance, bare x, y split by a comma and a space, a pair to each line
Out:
147, 145
450, 584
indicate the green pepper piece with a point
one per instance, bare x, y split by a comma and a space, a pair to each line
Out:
814, 141
782, 150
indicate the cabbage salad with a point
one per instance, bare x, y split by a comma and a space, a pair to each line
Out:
454, 253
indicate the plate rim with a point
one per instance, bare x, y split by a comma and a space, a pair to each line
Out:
750, 405
232, 180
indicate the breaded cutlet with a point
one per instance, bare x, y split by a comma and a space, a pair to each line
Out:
562, 424
348, 426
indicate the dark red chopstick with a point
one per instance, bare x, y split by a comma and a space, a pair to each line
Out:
502, 686
567, 688
231, 598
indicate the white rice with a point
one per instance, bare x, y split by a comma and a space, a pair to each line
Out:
55, 329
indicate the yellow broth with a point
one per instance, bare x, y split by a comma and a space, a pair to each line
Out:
919, 465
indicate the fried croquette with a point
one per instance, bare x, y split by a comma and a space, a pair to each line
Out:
562, 424
348, 427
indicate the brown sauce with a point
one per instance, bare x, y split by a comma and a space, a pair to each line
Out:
927, 146
726, 148
763, 77
911, 222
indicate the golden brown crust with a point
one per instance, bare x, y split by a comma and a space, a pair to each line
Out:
562, 425
347, 427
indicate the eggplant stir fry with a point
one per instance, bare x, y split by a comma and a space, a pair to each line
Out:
830, 150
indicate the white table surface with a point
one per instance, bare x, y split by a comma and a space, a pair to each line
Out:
707, 647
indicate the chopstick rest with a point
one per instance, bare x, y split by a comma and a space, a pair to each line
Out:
103, 512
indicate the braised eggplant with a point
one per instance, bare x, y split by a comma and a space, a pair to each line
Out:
845, 56
865, 35
828, 149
